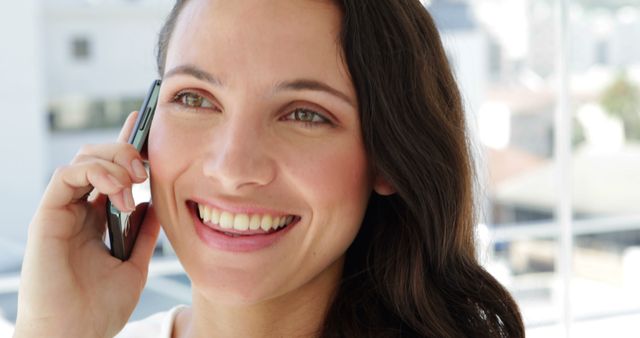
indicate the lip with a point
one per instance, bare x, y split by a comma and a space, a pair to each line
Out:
246, 243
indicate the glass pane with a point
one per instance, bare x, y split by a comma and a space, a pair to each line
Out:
527, 268
515, 128
605, 94
504, 58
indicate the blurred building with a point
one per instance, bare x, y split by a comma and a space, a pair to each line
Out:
462, 36
597, 36
624, 49
604, 167
99, 63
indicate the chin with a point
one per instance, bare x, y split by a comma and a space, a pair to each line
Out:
234, 285
236, 293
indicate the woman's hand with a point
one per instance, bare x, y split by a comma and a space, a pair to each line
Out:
70, 285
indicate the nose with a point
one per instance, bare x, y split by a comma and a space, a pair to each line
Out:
239, 157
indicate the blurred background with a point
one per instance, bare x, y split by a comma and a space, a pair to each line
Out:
71, 70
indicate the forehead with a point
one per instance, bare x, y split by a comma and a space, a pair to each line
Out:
261, 39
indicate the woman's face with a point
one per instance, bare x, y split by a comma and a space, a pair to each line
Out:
257, 119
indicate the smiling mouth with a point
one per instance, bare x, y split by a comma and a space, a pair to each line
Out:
240, 224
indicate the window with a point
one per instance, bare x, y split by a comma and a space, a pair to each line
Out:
91, 114
561, 61
81, 48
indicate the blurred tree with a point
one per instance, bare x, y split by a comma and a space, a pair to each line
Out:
622, 99
578, 137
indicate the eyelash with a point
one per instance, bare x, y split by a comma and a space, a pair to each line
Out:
182, 96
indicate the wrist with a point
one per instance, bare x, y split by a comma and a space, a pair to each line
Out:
37, 331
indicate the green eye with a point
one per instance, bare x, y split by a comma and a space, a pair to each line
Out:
309, 117
193, 100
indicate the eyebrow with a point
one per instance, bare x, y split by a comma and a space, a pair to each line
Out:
194, 72
295, 85
307, 84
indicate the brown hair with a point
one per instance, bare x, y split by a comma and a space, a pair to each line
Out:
412, 270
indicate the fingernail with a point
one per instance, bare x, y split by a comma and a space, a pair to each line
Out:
138, 169
115, 181
128, 199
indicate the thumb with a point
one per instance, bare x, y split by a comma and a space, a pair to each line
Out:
127, 127
146, 240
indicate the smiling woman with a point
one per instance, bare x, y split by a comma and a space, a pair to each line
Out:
309, 165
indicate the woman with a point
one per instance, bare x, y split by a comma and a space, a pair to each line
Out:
310, 166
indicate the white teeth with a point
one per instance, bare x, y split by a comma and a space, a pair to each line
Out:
226, 220
266, 222
254, 224
214, 215
242, 222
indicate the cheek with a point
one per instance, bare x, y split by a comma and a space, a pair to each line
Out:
170, 155
163, 149
333, 180
335, 175
171, 148
335, 185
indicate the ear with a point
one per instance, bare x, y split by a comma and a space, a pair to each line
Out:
382, 187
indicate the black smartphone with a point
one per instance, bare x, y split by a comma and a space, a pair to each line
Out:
123, 226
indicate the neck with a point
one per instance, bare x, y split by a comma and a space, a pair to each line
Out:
299, 313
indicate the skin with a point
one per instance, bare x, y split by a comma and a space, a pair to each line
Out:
243, 144
70, 285
244, 148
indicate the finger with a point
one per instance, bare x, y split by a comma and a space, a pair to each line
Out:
70, 183
146, 240
123, 154
127, 127
123, 200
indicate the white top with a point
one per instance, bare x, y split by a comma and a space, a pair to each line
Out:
6, 328
159, 325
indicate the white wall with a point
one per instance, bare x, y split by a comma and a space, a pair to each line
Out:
22, 124
122, 48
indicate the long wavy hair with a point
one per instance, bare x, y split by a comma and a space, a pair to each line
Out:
412, 270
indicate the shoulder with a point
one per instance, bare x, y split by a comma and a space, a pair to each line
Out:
159, 325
